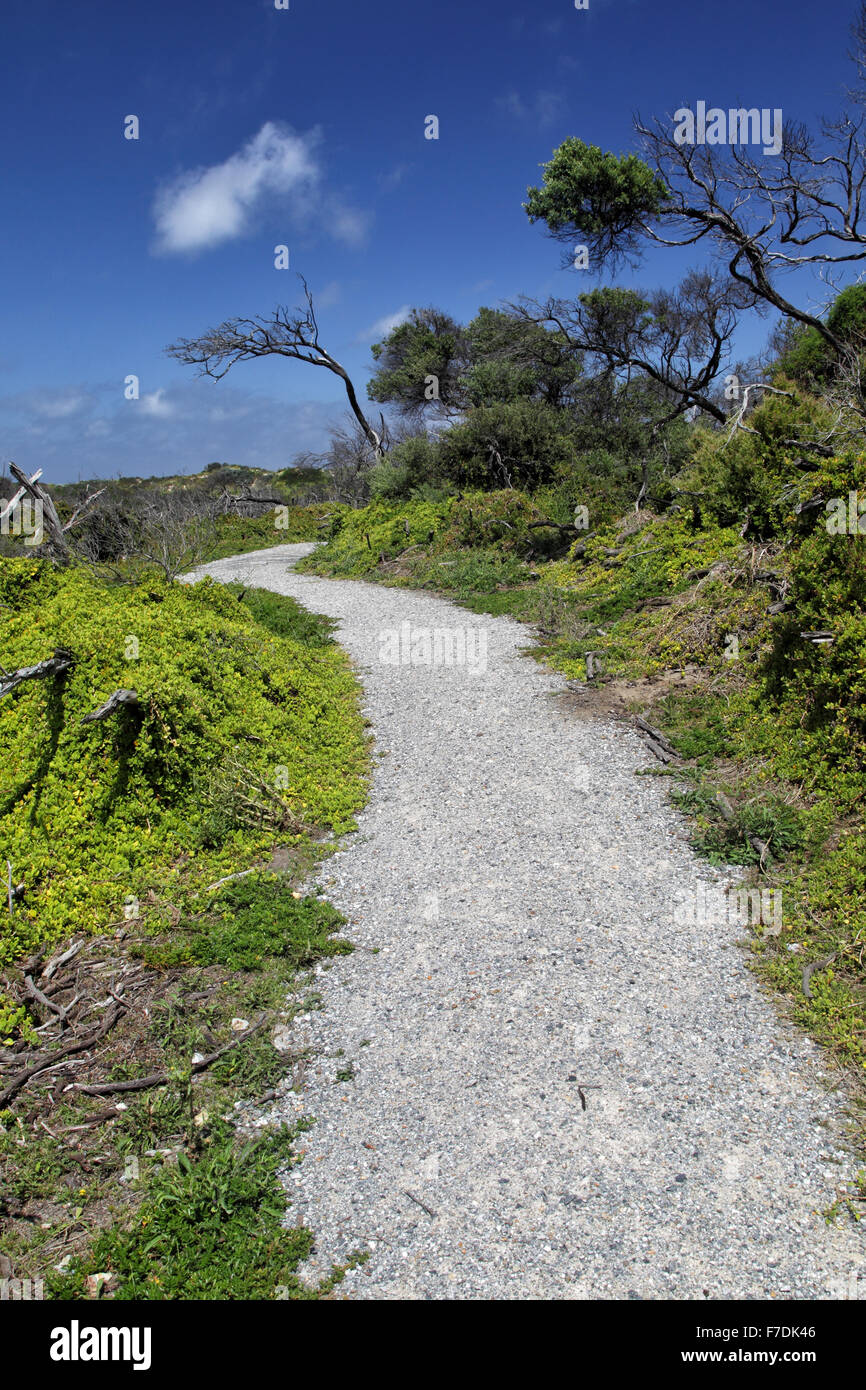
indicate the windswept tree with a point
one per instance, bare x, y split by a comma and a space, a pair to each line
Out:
514, 358
763, 210
677, 339
433, 367
421, 366
287, 333
663, 349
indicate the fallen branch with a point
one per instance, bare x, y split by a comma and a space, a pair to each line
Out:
657, 750
161, 1078
56, 961
121, 699
244, 873
111, 1113
809, 971
83, 1043
557, 525
657, 736
36, 993
52, 666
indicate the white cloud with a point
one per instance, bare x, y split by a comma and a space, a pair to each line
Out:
204, 207
156, 404
60, 407
347, 224
382, 327
546, 107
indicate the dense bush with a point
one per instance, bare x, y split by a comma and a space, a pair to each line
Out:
410, 467
808, 358
518, 443
94, 815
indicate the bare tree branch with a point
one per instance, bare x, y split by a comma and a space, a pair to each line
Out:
287, 333
52, 666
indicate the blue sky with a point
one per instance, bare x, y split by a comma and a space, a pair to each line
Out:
305, 127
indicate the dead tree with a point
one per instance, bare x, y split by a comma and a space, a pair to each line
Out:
56, 531
287, 333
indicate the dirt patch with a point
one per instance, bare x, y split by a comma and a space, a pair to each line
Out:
618, 696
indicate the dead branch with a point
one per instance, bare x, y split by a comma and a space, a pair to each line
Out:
36, 993
52, 666
741, 413
81, 512
121, 699
287, 333
81, 1045
161, 1078
55, 963
51, 520
658, 737
8, 508
809, 971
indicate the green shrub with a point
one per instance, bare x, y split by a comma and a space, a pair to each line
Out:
97, 814
210, 1228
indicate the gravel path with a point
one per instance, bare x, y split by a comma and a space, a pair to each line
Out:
511, 894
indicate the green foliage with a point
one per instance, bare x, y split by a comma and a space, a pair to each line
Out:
14, 1019
286, 618
384, 529
236, 535
97, 814
513, 358
826, 683
411, 466
210, 1228
519, 443
596, 197
781, 827
807, 357
252, 921
429, 343
755, 475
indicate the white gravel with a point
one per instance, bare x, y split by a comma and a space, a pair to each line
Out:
510, 896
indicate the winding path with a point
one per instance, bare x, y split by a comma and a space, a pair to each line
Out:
511, 894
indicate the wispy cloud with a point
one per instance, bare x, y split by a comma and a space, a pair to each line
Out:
156, 404
393, 178
347, 224
331, 294
56, 406
202, 208
545, 108
382, 327
173, 429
